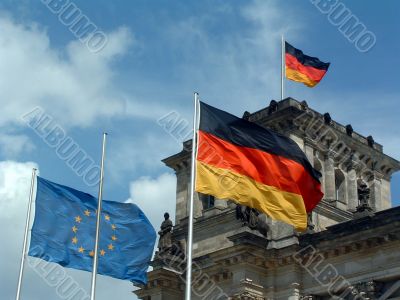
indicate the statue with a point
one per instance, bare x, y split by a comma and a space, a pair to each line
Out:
165, 242
251, 218
310, 223
363, 209
363, 197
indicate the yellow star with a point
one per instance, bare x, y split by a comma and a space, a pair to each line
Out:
74, 240
113, 227
87, 213
111, 247
81, 250
74, 229
102, 252
114, 238
78, 219
107, 217
91, 253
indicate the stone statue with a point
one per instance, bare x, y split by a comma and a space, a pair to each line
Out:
363, 209
251, 218
165, 242
363, 196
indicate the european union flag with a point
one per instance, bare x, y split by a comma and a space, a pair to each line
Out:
64, 232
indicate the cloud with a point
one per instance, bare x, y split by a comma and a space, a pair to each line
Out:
155, 196
242, 64
15, 180
74, 85
11, 145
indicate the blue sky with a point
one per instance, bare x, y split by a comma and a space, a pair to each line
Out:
158, 53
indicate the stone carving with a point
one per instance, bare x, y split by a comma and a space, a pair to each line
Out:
310, 224
370, 141
165, 242
167, 246
246, 115
273, 107
349, 130
251, 218
363, 197
304, 105
371, 290
363, 209
327, 119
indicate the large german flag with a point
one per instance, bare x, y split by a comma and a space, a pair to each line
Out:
254, 166
303, 68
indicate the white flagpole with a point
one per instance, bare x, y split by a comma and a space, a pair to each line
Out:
282, 65
24, 247
96, 247
192, 188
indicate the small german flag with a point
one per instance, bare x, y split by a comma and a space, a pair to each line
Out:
254, 166
303, 68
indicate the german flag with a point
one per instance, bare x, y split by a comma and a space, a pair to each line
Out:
254, 166
303, 68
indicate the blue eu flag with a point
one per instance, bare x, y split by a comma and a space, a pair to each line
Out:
64, 232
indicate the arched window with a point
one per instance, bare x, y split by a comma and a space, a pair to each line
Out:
340, 186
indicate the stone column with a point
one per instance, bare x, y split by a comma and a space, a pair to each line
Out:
309, 151
386, 199
220, 204
181, 194
375, 188
197, 205
329, 168
352, 195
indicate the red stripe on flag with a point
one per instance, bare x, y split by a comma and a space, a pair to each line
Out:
311, 72
269, 169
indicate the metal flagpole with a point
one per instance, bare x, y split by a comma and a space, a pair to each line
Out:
282, 65
192, 188
28, 220
96, 245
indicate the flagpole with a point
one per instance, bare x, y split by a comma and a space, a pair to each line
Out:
191, 203
282, 65
96, 245
24, 247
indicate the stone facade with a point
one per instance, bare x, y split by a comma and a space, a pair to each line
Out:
351, 249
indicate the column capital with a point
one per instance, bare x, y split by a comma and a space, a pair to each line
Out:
329, 155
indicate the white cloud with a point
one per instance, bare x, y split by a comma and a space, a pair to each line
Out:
74, 85
15, 180
155, 196
14, 189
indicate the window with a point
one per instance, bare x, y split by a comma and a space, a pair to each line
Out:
207, 201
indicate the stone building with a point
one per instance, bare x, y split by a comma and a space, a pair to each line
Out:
351, 248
